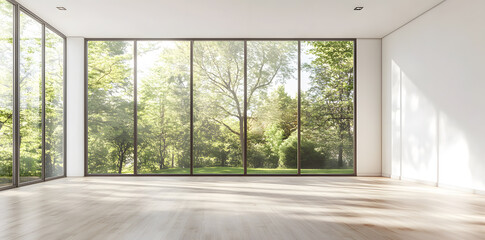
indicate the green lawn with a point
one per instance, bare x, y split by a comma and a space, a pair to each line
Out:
5, 180
165, 171
239, 170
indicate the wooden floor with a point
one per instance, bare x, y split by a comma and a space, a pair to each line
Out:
238, 208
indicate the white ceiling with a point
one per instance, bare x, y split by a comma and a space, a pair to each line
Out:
228, 18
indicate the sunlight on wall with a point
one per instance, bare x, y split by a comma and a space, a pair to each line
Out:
433, 68
419, 140
426, 145
454, 165
395, 120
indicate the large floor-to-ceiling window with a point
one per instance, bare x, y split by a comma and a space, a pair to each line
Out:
30, 98
110, 107
272, 107
206, 107
32, 136
218, 107
163, 107
6, 92
327, 107
54, 104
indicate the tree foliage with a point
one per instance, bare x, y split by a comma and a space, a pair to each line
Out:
110, 107
163, 108
6, 92
31, 92
328, 105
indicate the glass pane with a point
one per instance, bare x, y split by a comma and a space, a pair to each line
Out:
218, 107
110, 107
163, 92
327, 110
6, 93
54, 104
272, 100
30, 81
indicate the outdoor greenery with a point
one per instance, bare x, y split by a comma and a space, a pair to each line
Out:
54, 104
163, 107
30, 94
31, 91
239, 170
163, 92
6, 92
110, 107
327, 104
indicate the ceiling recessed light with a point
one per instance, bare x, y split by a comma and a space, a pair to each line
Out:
61, 8
358, 8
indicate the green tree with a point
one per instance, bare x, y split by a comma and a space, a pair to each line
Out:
220, 71
329, 103
6, 92
54, 104
275, 121
110, 106
164, 110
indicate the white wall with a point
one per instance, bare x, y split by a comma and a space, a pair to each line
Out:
368, 107
75, 106
433, 101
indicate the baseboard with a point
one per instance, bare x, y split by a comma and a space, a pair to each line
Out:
420, 181
462, 189
369, 175
440, 185
393, 176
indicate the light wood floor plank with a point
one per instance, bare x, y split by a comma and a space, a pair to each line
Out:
238, 208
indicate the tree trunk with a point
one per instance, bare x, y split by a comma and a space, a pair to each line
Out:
162, 160
340, 160
121, 162
172, 160
241, 139
161, 152
223, 161
340, 157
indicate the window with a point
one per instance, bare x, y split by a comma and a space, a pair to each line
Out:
32, 119
272, 102
110, 107
327, 107
30, 98
233, 107
6, 92
54, 104
163, 91
218, 107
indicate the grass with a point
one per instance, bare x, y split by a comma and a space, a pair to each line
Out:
5, 180
240, 170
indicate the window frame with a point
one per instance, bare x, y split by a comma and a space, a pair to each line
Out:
192, 40
17, 9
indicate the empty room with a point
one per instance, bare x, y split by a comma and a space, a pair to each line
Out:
242, 119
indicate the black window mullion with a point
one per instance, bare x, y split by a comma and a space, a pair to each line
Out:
43, 104
135, 110
16, 122
192, 107
85, 107
245, 123
298, 150
64, 100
